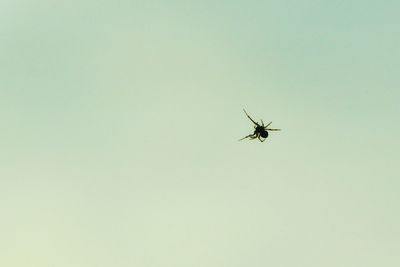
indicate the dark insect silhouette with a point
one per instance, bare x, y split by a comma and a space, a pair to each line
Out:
260, 131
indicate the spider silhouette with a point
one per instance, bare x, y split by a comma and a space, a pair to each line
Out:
260, 131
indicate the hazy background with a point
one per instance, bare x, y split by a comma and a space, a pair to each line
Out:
120, 121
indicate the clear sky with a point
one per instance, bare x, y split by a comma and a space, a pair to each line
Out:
120, 122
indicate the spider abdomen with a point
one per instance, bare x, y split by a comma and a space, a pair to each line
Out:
264, 134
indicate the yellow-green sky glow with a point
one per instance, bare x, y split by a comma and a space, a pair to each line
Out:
120, 124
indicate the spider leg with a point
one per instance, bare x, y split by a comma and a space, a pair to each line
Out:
268, 124
259, 138
272, 129
251, 136
262, 123
251, 118
256, 135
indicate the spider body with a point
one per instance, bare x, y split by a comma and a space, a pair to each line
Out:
260, 131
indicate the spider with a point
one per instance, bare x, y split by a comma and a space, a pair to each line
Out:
261, 131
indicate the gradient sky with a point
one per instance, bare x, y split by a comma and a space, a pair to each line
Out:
120, 123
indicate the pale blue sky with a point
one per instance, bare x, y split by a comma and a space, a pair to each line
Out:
121, 120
